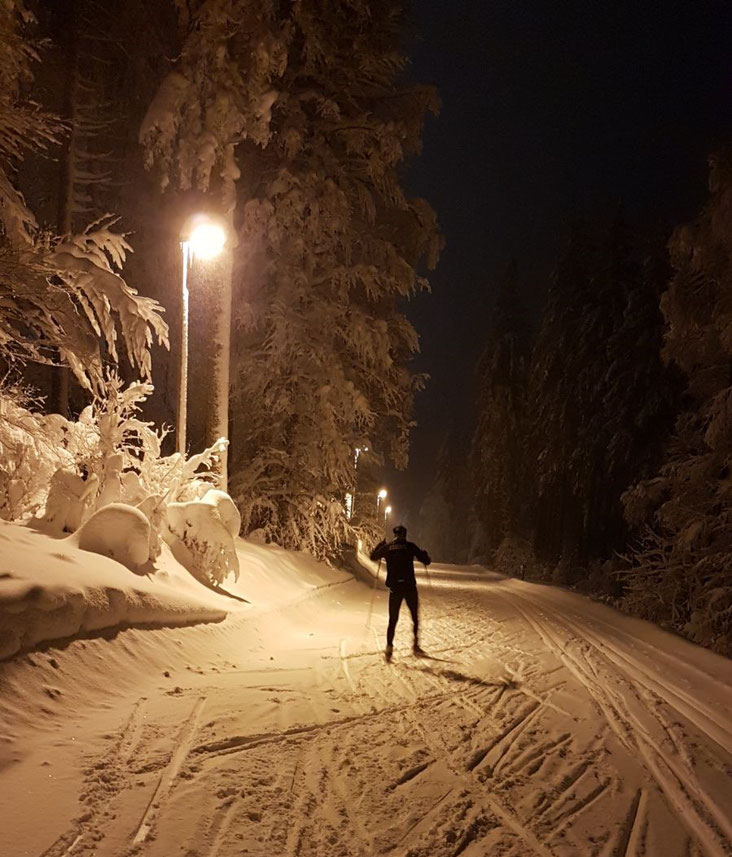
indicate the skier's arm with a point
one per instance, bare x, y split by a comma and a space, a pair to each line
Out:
379, 552
421, 555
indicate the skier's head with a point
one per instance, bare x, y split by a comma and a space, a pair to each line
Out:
400, 531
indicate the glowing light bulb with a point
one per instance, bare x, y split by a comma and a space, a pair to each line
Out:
206, 240
383, 493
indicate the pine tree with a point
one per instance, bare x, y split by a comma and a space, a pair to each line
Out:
445, 516
499, 442
61, 297
297, 115
553, 407
682, 572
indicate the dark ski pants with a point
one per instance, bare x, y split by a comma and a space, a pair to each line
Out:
396, 596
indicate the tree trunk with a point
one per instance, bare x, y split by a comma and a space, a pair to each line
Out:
61, 377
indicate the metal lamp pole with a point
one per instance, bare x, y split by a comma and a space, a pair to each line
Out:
205, 240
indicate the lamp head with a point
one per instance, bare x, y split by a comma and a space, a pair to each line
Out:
205, 237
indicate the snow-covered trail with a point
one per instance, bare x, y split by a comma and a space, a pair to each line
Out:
539, 724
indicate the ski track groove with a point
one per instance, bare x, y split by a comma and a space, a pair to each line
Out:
65, 845
700, 813
567, 783
340, 791
507, 741
170, 772
219, 826
489, 802
693, 709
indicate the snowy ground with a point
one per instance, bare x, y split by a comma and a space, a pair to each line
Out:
539, 724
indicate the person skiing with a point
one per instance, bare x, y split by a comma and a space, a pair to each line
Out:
401, 582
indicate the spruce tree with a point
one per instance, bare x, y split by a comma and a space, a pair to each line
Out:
296, 116
682, 571
499, 442
62, 297
553, 405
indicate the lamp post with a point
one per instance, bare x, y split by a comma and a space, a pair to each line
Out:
203, 241
351, 498
379, 497
387, 512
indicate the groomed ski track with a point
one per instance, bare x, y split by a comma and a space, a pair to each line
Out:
540, 724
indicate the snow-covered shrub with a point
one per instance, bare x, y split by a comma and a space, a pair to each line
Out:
70, 501
118, 531
123, 451
317, 525
210, 552
67, 470
32, 449
225, 508
514, 556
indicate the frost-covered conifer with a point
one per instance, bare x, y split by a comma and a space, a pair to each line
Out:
59, 295
303, 106
499, 455
553, 406
682, 573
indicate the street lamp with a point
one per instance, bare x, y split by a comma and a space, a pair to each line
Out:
379, 497
204, 240
351, 498
387, 512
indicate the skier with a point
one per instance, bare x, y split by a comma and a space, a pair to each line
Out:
401, 582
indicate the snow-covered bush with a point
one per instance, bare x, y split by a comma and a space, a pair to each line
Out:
210, 552
514, 556
118, 531
69, 470
32, 449
317, 524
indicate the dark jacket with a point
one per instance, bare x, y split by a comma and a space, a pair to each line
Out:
400, 555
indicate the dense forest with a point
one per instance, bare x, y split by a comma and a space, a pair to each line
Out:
600, 456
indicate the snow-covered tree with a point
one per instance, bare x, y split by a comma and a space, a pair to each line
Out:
446, 515
602, 402
682, 572
553, 405
61, 297
498, 455
303, 107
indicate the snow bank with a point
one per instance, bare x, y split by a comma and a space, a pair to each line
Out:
50, 589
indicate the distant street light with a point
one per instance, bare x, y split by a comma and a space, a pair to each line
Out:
387, 512
204, 240
379, 497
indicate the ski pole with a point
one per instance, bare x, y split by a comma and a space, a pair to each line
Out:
429, 579
373, 595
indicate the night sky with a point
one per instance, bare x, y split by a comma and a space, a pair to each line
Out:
550, 110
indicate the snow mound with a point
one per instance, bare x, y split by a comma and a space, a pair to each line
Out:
201, 539
51, 590
118, 531
225, 508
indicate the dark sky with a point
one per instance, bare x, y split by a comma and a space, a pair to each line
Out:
550, 109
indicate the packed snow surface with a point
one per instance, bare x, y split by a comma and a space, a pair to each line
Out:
537, 723
53, 589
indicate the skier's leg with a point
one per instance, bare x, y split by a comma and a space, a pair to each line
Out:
395, 603
412, 599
